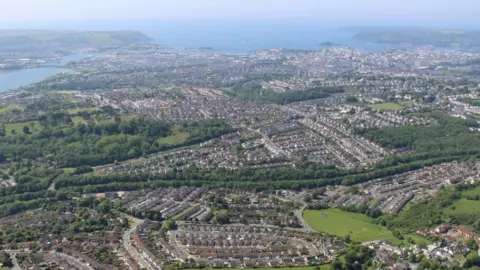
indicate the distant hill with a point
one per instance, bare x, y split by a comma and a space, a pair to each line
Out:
417, 36
31, 40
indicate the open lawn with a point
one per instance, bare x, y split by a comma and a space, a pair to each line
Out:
68, 170
18, 127
6, 110
337, 222
78, 119
472, 192
387, 106
418, 239
463, 207
9, 109
178, 136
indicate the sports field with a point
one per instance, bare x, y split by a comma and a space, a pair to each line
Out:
337, 222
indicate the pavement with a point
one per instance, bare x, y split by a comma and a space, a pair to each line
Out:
299, 214
16, 266
127, 244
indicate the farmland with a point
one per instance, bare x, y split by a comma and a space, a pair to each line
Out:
337, 222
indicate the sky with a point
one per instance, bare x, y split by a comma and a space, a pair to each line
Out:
38, 12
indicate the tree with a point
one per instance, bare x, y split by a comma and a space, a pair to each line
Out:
351, 99
222, 217
472, 259
476, 225
6, 260
347, 238
472, 244
336, 264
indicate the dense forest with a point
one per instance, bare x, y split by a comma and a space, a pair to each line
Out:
95, 144
308, 175
256, 93
449, 135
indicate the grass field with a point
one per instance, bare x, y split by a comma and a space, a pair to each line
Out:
6, 110
78, 119
18, 127
418, 239
358, 226
178, 136
387, 106
9, 109
463, 207
472, 192
68, 170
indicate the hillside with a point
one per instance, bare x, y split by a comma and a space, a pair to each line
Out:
417, 36
61, 40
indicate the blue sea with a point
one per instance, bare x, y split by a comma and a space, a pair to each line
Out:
241, 37
224, 37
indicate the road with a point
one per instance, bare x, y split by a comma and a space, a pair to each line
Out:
15, 262
269, 144
299, 214
127, 244
298, 199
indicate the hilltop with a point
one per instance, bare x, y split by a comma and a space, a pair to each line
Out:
36, 40
417, 36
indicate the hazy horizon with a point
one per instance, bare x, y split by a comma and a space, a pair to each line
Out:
109, 14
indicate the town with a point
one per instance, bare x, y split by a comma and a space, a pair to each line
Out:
148, 157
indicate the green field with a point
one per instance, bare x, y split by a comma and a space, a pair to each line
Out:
68, 170
387, 106
125, 118
178, 136
6, 110
78, 119
472, 192
9, 109
463, 207
18, 127
358, 226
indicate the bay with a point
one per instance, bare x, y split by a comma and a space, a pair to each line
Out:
18, 78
